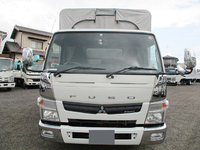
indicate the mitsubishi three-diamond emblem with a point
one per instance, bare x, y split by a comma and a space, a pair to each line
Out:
102, 110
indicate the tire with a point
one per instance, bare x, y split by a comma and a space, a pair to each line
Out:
18, 82
24, 86
189, 82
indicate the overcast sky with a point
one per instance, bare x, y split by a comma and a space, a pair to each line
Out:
176, 23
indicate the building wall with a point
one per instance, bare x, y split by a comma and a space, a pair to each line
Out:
26, 41
1, 37
18, 38
170, 61
18, 57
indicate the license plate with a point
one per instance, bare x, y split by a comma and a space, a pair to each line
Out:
101, 137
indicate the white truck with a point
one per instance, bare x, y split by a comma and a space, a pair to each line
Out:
182, 75
176, 78
27, 76
108, 85
6, 73
31, 75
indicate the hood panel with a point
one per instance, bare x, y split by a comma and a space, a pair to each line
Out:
97, 89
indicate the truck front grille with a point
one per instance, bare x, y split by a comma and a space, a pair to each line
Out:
169, 79
36, 80
102, 123
102, 108
4, 80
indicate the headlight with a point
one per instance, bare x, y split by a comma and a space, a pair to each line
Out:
50, 115
156, 113
173, 78
153, 118
12, 78
48, 109
29, 80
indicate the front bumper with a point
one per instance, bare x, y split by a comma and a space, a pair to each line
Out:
7, 85
80, 135
32, 83
171, 82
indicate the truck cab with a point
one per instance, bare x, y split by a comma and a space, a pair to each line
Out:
103, 83
105, 80
172, 74
27, 76
183, 75
180, 75
31, 75
6, 73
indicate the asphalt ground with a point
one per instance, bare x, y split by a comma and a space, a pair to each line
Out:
19, 116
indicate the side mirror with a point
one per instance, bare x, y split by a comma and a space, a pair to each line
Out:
27, 56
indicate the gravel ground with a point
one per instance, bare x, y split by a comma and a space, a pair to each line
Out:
20, 114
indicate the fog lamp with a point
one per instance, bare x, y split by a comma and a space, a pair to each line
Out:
157, 136
47, 133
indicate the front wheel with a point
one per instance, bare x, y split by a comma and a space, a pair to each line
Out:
189, 82
24, 86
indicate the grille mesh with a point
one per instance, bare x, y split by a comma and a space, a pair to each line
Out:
102, 123
101, 108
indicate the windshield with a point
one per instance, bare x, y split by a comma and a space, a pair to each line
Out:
110, 51
170, 71
6, 64
35, 67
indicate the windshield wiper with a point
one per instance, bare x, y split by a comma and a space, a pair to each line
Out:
127, 69
77, 67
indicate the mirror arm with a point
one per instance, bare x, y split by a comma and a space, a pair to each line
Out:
189, 72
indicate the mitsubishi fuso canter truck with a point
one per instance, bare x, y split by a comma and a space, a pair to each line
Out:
103, 80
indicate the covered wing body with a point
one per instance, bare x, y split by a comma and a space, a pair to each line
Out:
105, 19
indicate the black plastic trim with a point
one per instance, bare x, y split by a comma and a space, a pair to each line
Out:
136, 125
106, 108
86, 136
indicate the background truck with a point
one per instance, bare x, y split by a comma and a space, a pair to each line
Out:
6, 73
103, 80
181, 75
174, 77
26, 76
